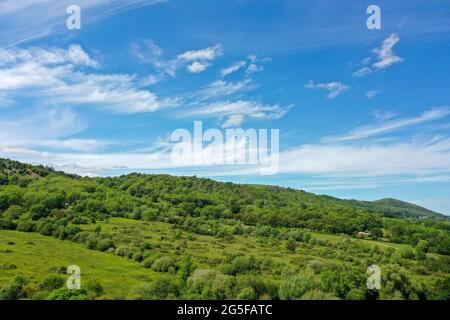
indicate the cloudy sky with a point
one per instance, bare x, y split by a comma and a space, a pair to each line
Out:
361, 113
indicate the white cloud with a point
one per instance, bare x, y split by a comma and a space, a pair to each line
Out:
207, 54
233, 68
50, 56
196, 61
58, 76
222, 88
197, 67
338, 164
238, 110
149, 52
252, 68
385, 54
371, 94
362, 72
234, 120
385, 57
335, 88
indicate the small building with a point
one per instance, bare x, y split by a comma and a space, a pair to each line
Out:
363, 234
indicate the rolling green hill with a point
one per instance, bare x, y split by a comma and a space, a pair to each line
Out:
192, 238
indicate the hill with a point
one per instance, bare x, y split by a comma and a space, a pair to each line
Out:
405, 209
203, 239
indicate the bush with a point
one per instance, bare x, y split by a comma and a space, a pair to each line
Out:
93, 286
317, 294
293, 287
161, 288
7, 224
66, 294
26, 226
247, 294
211, 284
148, 262
355, 294
239, 265
52, 283
15, 291
104, 244
121, 251
138, 257
164, 264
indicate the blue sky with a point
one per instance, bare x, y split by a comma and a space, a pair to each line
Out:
362, 113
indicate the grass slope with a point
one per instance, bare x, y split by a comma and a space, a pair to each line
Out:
37, 257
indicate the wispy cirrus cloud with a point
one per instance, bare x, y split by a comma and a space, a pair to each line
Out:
23, 20
391, 125
334, 88
222, 88
234, 112
195, 61
233, 68
384, 56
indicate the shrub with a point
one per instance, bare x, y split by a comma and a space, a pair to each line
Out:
121, 251
93, 286
138, 256
7, 224
211, 284
148, 262
317, 294
239, 265
164, 264
293, 287
26, 226
161, 288
104, 244
52, 283
247, 294
15, 291
66, 294
355, 294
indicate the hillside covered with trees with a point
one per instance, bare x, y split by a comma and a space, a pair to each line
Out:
191, 236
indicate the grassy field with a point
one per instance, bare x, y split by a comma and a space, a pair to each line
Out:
37, 257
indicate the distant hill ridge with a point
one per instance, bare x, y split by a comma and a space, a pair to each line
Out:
15, 172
